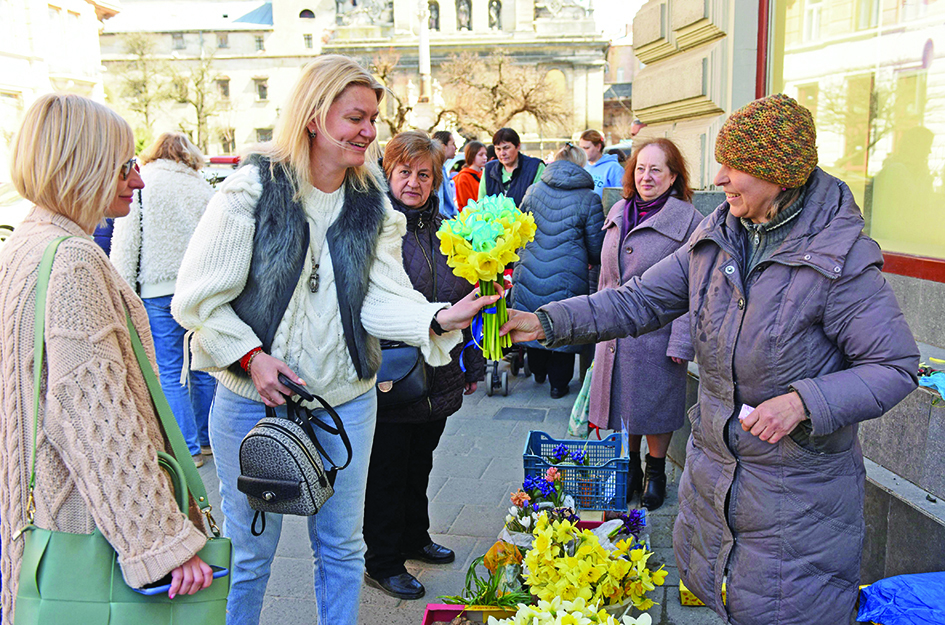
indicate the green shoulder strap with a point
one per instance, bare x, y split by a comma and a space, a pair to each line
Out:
163, 409
174, 436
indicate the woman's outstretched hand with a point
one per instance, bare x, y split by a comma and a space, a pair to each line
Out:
265, 372
460, 314
191, 576
522, 326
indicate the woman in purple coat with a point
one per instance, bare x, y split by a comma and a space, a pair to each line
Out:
799, 338
639, 384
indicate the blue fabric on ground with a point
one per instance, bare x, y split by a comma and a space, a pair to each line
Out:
904, 600
936, 381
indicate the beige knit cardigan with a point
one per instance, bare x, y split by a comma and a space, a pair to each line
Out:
96, 463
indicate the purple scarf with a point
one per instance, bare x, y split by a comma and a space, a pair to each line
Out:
637, 211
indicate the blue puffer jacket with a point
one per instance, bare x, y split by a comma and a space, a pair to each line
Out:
568, 239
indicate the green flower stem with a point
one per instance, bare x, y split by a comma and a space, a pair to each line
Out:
492, 343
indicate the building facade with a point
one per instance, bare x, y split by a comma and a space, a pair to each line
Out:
47, 46
254, 51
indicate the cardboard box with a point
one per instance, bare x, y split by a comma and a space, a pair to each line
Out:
477, 613
688, 599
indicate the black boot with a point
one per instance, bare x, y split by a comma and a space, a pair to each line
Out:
655, 490
634, 477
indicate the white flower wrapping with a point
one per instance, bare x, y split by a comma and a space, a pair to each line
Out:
558, 612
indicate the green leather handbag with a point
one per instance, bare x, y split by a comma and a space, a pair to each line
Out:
75, 579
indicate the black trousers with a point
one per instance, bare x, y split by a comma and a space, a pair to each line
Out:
559, 366
396, 516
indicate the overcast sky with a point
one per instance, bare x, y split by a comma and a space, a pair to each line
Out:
612, 15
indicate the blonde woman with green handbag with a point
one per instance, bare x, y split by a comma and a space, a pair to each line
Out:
89, 470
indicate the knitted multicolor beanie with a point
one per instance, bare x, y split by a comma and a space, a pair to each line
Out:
772, 138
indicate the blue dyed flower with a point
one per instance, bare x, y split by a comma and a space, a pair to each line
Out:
579, 456
634, 522
559, 453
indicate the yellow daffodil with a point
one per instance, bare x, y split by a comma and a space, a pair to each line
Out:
568, 563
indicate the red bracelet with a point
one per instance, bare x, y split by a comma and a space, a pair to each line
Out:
246, 360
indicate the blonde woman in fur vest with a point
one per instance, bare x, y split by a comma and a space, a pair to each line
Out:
296, 269
147, 248
98, 435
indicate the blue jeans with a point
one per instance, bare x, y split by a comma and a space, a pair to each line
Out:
191, 404
335, 532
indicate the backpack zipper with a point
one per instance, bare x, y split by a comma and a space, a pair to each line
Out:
273, 426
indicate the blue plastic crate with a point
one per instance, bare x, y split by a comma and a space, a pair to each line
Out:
600, 486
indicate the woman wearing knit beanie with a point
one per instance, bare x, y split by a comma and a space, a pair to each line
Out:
798, 338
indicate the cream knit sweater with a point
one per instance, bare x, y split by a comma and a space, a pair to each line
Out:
310, 338
96, 461
174, 198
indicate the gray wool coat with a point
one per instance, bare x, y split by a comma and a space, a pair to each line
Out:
635, 384
568, 237
782, 523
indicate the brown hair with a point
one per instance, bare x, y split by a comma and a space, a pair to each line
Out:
506, 134
594, 137
411, 146
674, 160
173, 146
471, 150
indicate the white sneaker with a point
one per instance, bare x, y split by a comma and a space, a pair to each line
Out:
198, 460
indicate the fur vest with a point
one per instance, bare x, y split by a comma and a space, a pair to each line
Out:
280, 243
522, 177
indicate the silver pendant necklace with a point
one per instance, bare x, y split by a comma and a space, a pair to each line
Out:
313, 279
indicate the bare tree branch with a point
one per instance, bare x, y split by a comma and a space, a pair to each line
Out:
488, 93
142, 83
384, 65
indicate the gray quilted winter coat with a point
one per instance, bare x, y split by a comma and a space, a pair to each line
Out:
568, 238
783, 523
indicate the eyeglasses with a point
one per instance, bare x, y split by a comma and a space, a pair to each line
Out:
126, 168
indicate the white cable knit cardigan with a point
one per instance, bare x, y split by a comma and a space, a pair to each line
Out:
310, 338
174, 199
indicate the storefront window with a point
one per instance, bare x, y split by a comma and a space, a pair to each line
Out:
872, 72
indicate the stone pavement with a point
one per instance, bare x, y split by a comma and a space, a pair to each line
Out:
477, 465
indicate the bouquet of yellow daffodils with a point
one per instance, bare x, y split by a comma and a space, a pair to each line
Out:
478, 243
570, 563
561, 612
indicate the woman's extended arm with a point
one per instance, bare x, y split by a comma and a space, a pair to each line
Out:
394, 310
642, 305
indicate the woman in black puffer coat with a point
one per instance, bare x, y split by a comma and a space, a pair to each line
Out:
396, 521
556, 265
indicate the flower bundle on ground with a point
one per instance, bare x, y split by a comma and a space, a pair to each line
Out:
570, 563
502, 586
562, 612
538, 496
478, 243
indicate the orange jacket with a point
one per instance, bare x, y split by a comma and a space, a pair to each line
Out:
467, 186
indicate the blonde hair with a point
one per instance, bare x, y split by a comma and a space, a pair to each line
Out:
573, 153
67, 155
321, 83
411, 146
174, 146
